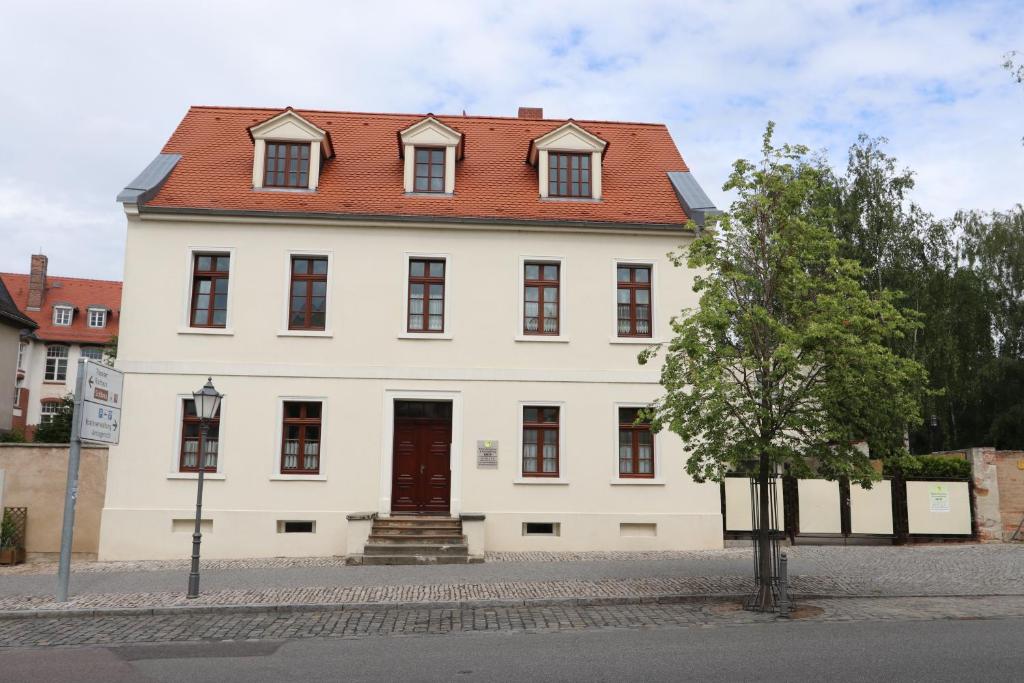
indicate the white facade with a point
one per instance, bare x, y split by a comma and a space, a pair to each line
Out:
42, 387
364, 360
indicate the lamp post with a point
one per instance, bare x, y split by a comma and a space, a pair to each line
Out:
207, 402
933, 424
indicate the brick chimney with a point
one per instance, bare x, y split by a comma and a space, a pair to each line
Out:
36, 282
531, 112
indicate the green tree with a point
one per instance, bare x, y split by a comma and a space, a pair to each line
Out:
110, 351
58, 429
787, 360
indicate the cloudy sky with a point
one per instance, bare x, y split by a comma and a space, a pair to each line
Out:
91, 91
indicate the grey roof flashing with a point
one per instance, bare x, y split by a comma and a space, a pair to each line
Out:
695, 201
148, 183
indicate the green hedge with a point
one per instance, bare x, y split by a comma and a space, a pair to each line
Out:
931, 466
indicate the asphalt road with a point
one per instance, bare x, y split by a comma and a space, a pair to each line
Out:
938, 650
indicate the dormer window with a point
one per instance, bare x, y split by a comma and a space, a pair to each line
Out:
287, 165
429, 169
429, 150
62, 315
568, 161
97, 317
288, 152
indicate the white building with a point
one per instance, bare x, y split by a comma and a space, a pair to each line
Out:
76, 317
406, 314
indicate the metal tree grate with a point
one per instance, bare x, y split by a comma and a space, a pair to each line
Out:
19, 516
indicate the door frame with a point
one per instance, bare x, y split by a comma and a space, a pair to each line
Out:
388, 444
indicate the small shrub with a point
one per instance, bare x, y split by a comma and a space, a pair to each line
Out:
930, 467
7, 531
13, 436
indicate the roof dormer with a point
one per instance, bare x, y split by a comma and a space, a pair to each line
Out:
287, 152
568, 161
429, 149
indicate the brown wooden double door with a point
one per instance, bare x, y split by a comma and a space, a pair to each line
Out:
421, 472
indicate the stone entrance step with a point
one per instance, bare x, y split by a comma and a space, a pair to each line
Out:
417, 539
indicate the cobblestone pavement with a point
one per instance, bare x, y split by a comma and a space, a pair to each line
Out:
961, 569
357, 623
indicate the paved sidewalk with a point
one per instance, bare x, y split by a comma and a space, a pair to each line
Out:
383, 621
954, 570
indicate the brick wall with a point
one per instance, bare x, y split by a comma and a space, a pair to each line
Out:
1011, 490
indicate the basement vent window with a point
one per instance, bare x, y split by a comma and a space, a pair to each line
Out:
634, 529
542, 529
188, 526
285, 527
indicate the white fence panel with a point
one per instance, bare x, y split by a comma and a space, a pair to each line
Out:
819, 507
871, 509
939, 507
737, 504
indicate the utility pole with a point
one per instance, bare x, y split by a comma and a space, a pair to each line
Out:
71, 492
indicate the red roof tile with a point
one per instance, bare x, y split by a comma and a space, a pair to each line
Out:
78, 292
365, 176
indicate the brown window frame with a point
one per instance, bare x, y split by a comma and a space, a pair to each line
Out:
309, 279
212, 435
634, 429
303, 422
430, 165
287, 178
426, 280
555, 183
214, 276
542, 284
541, 426
633, 286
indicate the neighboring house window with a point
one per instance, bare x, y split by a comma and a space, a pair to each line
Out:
210, 290
300, 447
308, 297
189, 456
62, 315
426, 295
287, 165
540, 441
92, 352
17, 392
634, 301
429, 170
56, 363
636, 445
97, 317
541, 298
48, 410
568, 175
22, 348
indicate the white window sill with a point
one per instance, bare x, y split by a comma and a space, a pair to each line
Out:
432, 195
305, 333
223, 331
646, 341
575, 200
287, 190
298, 477
446, 336
215, 476
557, 339
638, 481
542, 481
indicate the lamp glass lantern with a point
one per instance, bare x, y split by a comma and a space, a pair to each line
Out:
207, 401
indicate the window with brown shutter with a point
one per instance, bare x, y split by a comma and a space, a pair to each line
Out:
636, 445
633, 301
569, 175
307, 308
287, 165
541, 298
210, 290
540, 441
190, 427
300, 437
426, 295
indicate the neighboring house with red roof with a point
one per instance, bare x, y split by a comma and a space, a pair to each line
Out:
407, 314
74, 317
14, 326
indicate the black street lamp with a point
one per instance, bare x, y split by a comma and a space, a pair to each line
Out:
933, 424
207, 402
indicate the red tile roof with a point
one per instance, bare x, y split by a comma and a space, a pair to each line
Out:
78, 292
493, 181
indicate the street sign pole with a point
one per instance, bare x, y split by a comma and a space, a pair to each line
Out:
71, 493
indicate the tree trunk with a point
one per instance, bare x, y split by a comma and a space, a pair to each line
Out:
764, 600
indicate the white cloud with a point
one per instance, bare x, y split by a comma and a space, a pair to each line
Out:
95, 89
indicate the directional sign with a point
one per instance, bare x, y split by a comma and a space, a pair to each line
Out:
103, 385
102, 394
100, 423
